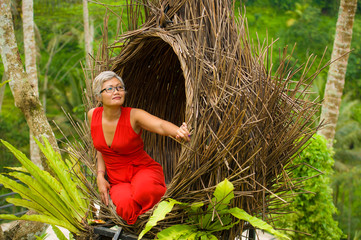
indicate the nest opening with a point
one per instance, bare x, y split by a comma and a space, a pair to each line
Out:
155, 82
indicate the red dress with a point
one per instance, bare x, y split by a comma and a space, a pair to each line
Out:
136, 180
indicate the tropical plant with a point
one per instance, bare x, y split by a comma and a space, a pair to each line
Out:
357, 235
346, 179
296, 14
347, 193
60, 235
58, 200
312, 207
204, 222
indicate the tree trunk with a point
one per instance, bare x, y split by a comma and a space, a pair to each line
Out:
30, 66
337, 71
2, 91
26, 100
20, 230
24, 95
1, 234
87, 34
29, 44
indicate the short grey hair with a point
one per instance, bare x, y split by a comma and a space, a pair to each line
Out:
103, 77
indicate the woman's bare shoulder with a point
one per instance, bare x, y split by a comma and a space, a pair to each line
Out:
137, 112
90, 113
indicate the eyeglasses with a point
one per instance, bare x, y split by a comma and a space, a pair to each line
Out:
112, 89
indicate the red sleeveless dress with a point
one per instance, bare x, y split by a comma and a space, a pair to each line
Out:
136, 180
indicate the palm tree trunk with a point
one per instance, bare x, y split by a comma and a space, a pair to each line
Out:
87, 34
337, 71
30, 66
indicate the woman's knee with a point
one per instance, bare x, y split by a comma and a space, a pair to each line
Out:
151, 192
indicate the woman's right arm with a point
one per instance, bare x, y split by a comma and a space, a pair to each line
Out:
103, 184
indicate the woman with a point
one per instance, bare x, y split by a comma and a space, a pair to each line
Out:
136, 181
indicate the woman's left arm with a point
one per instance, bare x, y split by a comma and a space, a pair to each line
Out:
143, 120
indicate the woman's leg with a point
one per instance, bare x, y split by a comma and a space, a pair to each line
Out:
127, 208
148, 187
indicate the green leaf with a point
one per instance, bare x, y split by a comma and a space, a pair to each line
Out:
42, 236
227, 224
159, 213
61, 170
43, 177
192, 236
46, 191
175, 232
256, 222
47, 198
19, 169
58, 233
196, 206
43, 219
3, 83
207, 236
16, 187
27, 204
223, 195
71, 237
53, 202
224, 192
194, 212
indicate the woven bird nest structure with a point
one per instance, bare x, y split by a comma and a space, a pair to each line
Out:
193, 61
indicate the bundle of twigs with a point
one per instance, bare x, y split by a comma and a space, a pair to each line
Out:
195, 63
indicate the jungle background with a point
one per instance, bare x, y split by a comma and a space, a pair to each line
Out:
309, 23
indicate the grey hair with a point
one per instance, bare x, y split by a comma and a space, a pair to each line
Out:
103, 77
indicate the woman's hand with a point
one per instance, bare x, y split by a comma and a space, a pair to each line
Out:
103, 187
183, 133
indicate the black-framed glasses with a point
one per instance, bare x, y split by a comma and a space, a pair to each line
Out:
112, 89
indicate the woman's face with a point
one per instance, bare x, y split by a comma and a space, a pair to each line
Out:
113, 93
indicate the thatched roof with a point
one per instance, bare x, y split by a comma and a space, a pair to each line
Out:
247, 123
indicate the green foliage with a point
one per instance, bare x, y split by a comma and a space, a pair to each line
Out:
346, 180
14, 128
303, 25
327, 6
279, 4
3, 83
41, 237
312, 212
353, 83
59, 200
347, 193
206, 224
60, 234
159, 213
